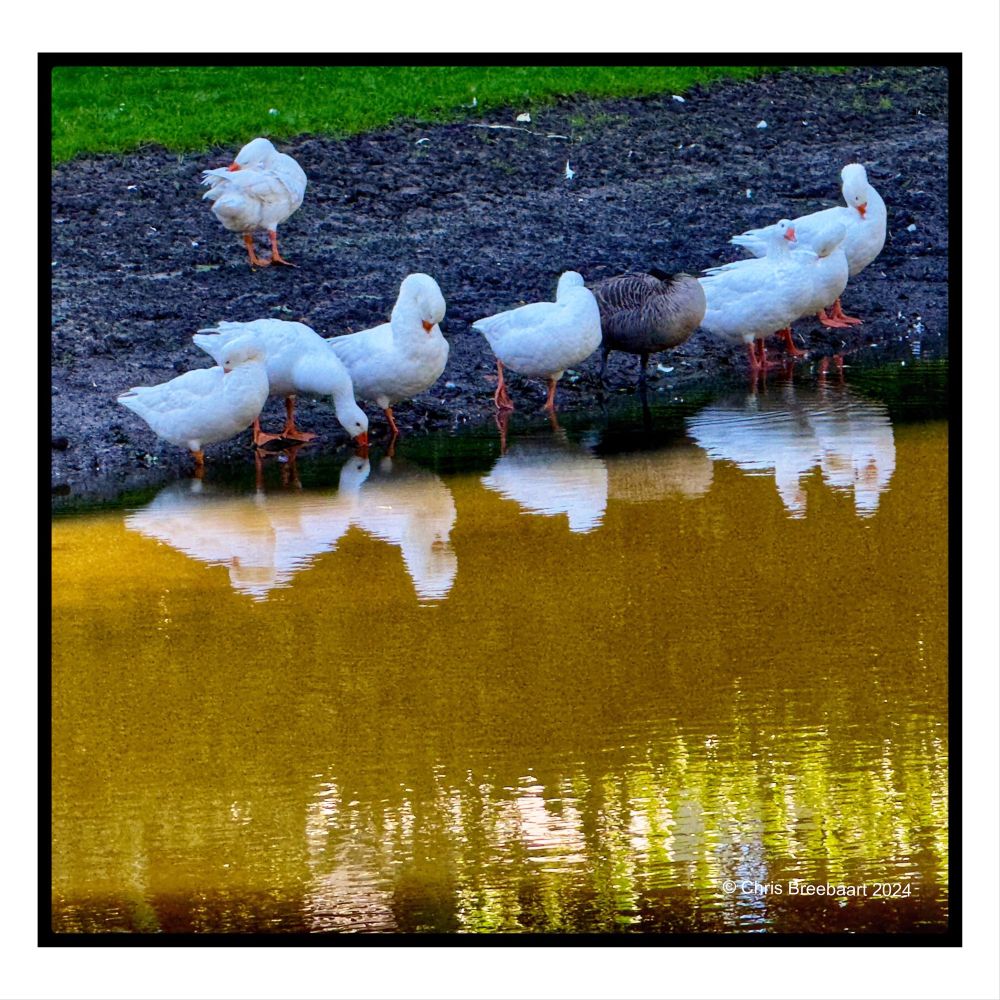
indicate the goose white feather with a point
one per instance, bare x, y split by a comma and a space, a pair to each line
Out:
863, 218
399, 359
206, 405
258, 191
297, 361
750, 300
543, 339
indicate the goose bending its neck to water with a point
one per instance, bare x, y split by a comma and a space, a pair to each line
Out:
543, 339
257, 191
297, 361
643, 313
206, 405
401, 358
864, 221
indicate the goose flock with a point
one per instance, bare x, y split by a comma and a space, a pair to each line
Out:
799, 267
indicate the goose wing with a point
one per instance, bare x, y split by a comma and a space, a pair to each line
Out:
259, 185
180, 393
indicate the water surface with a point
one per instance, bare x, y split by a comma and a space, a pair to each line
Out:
573, 687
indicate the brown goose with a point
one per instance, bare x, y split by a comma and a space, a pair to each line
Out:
646, 312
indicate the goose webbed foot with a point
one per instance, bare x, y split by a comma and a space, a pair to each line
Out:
829, 321
839, 313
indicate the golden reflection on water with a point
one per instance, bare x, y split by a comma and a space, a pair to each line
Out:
575, 693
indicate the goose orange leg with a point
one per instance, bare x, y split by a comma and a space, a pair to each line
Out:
838, 313
758, 357
392, 422
290, 432
276, 257
550, 402
255, 261
199, 464
501, 398
786, 336
502, 418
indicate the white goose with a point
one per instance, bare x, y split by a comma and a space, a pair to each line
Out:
543, 339
401, 358
749, 300
826, 270
297, 361
257, 191
864, 219
207, 405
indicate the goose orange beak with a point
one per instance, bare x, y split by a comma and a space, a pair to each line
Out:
427, 326
790, 234
233, 166
862, 209
362, 440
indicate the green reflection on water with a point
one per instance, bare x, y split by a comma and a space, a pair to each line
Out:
573, 691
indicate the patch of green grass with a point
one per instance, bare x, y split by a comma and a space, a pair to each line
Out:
119, 108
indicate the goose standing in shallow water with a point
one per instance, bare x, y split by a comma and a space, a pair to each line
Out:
401, 358
297, 361
206, 405
749, 300
257, 191
864, 221
643, 313
543, 339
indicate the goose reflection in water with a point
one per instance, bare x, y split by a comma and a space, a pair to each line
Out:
792, 431
265, 539
857, 450
550, 475
680, 469
413, 509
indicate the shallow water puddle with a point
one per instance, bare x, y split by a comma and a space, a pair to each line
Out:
576, 689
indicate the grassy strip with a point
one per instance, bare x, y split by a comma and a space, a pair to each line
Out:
115, 109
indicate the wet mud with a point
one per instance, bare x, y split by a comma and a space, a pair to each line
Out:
139, 263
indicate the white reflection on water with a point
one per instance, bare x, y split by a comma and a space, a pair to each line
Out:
792, 432
413, 509
265, 539
550, 475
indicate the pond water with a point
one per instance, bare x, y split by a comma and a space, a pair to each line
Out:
573, 686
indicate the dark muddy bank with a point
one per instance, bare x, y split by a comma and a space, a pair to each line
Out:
139, 263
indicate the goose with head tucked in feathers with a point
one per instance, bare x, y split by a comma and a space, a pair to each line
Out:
297, 361
401, 358
643, 313
543, 339
206, 405
864, 221
259, 190
826, 271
